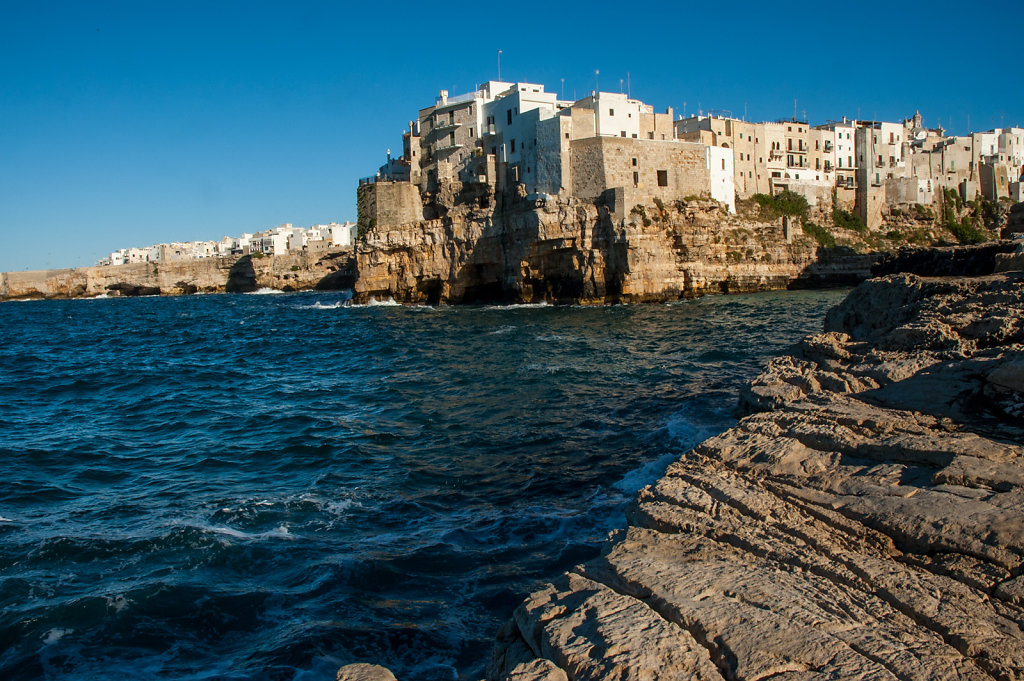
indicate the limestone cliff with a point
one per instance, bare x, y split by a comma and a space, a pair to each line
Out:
569, 250
212, 275
866, 521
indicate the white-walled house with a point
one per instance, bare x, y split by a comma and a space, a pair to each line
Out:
723, 184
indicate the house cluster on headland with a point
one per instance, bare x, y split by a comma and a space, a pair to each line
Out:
611, 146
275, 241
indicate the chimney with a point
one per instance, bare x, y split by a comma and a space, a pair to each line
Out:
444, 97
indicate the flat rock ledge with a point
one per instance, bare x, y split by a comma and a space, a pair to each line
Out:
864, 521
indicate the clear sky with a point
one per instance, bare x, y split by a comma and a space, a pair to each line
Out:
132, 123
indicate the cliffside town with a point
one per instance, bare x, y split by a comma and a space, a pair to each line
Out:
509, 194
280, 240
506, 134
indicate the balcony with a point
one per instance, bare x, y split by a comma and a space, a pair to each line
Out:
447, 147
445, 126
828, 147
775, 155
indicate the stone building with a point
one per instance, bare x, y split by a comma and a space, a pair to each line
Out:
516, 133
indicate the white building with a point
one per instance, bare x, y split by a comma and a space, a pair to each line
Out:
723, 184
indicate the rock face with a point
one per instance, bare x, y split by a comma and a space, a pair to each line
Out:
568, 250
966, 260
236, 274
866, 521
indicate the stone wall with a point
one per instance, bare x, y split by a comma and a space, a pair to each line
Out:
600, 163
388, 203
552, 155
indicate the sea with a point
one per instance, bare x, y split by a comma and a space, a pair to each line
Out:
269, 486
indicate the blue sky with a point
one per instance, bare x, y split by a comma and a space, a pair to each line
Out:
132, 123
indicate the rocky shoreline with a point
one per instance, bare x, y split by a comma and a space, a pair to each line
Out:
864, 520
232, 274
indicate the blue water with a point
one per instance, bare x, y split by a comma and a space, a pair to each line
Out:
270, 486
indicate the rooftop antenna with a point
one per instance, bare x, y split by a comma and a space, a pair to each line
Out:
804, 112
499, 65
684, 109
597, 82
794, 108
968, 122
744, 111
628, 91
620, 86
563, 88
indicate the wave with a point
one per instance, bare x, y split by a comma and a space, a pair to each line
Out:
278, 533
389, 302
330, 306
265, 291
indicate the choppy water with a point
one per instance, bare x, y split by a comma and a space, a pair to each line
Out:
267, 487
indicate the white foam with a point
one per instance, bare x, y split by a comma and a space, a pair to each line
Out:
690, 432
265, 291
519, 306
644, 475
390, 302
5, 520
54, 635
278, 533
118, 602
320, 306
501, 330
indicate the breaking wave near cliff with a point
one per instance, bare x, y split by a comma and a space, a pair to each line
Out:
268, 487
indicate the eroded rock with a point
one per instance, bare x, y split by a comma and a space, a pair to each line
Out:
865, 521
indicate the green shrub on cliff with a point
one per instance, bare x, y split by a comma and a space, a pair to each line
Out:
783, 203
844, 219
638, 209
822, 235
965, 231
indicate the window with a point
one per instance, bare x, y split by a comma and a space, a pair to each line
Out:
634, 135
650, 135
566, 135
611, 112
471, 132
636, 178
879, 160
513, 146
634, 161
622, 133
508, 115
723, 164
662, 178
